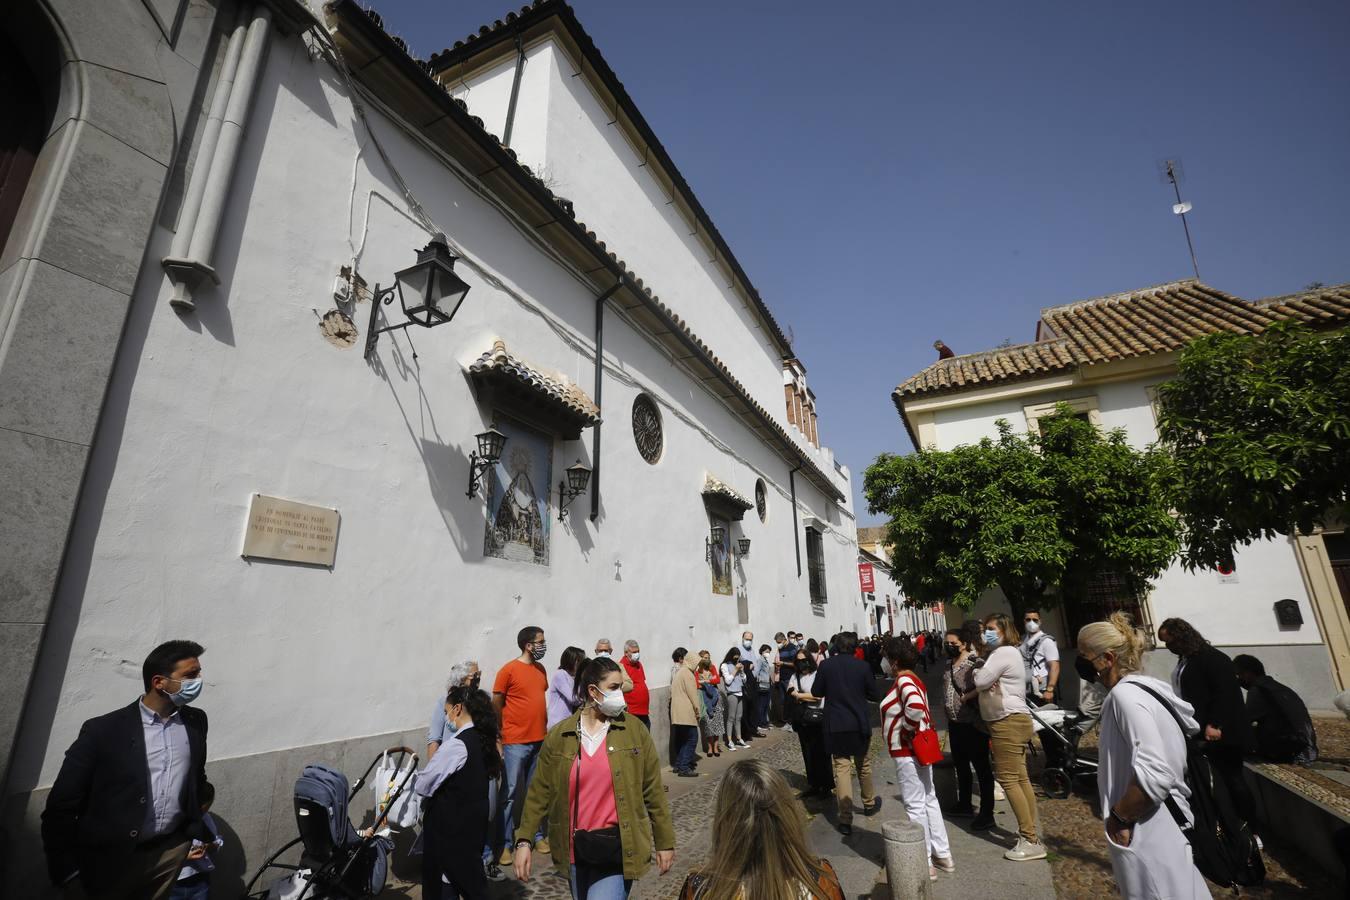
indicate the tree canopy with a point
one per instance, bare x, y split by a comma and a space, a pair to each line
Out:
1259, 426
1037, 515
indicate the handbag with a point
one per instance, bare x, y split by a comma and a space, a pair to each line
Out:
404, 807
812, 714
925, 744
600, 847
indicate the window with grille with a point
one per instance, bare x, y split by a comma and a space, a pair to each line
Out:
1106, 593
815, 564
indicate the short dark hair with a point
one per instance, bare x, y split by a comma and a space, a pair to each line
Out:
763, 647
593, 672
780, 636
166, 657
845, 643
679, 654
1244, 662
526, 635
1030, 609
901, 653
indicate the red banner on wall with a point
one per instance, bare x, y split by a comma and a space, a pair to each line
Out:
866, 579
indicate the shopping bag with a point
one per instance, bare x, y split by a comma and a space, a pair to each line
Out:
927, 748
405, 809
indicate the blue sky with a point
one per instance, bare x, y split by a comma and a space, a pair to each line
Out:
944, 170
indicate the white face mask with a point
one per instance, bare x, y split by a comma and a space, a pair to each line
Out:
1032, 626
612, 703
747, 644
635, 656
602, 654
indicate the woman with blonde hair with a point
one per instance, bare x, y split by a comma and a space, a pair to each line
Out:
1001, 684
1142, 772
759, 844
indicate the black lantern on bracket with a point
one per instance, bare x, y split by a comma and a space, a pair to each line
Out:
714, 539
745, 546
429, 291
489, 450
578, 476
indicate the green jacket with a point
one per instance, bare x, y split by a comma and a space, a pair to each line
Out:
644, 817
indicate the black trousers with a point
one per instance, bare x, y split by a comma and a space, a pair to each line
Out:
1227, 764
465, 871
970, 750
819, 769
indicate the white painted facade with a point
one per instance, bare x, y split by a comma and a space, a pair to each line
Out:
1236, 614
246, 396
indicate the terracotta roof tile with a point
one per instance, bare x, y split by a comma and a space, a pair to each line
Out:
719, 489
1121, 326
554, 391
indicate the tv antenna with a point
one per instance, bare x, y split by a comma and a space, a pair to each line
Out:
1172, 170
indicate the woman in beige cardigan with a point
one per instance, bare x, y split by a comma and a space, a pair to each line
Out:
685, 702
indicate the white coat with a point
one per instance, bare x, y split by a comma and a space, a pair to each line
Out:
1140, 741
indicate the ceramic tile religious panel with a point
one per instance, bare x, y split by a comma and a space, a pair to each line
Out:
720, 561
518, 495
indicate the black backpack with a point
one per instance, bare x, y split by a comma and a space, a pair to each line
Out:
1222, 844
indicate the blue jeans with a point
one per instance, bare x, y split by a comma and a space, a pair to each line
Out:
687, 744
598, 884
489, 852
762, 706
197, 887
518, 761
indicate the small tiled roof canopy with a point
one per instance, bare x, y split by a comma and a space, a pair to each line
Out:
1134, 324
724, 498
527, 389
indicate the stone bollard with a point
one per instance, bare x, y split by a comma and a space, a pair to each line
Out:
907, 860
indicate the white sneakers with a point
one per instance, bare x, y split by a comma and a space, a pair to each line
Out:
1025, 850
731, 747
945, 863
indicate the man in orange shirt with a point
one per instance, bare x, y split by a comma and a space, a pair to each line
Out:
518, 694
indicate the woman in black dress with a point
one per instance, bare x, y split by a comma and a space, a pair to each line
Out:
456, 811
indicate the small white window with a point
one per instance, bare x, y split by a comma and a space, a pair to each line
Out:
1084, 408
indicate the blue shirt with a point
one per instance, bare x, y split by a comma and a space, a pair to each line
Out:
168, 758
447, 761
441, 729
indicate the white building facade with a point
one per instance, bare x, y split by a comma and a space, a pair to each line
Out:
241, 373
1105, 357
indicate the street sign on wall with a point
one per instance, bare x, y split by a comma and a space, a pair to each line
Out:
866, 578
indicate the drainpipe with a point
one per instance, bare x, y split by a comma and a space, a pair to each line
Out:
599, 387
515, 95
204, 204
796, 519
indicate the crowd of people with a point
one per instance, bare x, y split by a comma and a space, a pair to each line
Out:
564, 764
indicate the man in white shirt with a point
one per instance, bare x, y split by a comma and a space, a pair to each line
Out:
1041, 654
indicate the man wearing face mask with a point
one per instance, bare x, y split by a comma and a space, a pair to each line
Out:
124, 809
1040, 655
635, 678
604, 649
519, 695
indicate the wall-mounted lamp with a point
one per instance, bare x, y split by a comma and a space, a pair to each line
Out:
745, 547
714, 539
426, 289
489, 450
578, 476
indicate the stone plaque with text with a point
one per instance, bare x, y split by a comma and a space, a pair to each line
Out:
290, 531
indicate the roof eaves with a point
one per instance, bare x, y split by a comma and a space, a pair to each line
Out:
504, 29
371, 28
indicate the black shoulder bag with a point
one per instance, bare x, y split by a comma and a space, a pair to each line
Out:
602, 847
812, 714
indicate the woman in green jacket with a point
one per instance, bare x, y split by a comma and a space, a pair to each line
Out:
598, 781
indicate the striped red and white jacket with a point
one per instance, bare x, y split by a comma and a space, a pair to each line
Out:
903, 710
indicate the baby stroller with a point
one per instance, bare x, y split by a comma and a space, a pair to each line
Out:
1062, 729
335, 860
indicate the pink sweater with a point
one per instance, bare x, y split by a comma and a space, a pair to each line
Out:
595, 808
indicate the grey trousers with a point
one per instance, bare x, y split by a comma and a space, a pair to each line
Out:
733, 718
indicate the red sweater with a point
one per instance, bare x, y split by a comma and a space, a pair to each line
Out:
638, 699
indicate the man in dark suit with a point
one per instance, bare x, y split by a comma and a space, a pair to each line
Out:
122, 814
847, 685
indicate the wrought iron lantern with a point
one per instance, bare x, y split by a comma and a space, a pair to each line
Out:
714, 539
745, 546
578, 476
489, 450
429, 291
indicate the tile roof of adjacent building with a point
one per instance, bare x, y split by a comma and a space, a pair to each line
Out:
553, 391
1138, 323
371, 28
530, 15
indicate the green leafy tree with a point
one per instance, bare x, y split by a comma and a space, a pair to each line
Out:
1036, 515
1259, 426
